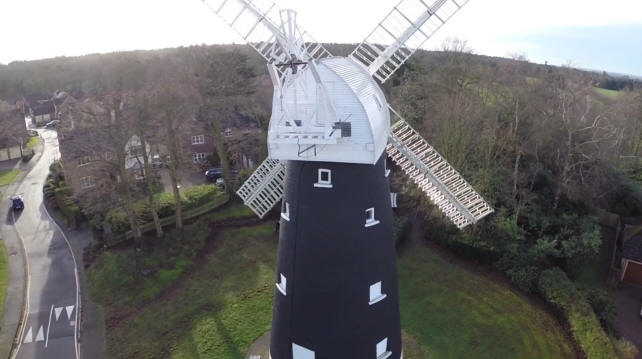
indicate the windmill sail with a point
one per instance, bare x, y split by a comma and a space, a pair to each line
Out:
405, 29
256, 22
264, 188
445, 187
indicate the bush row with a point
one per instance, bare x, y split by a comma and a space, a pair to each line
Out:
191, 198
585, 327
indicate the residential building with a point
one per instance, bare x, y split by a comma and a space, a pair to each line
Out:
13, 131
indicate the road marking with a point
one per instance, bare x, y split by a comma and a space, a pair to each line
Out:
69, 309
28, 336
40, 336
49, 325
58, 311
78, 302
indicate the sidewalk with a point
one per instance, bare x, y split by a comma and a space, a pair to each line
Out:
14, 305
92, 327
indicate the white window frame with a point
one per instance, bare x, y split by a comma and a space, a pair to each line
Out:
84, 161
370, 218
375, 294
282, 285
299, 352
139, 175
86, 182
382, 349
385, 166
198, 140
393, 199
285, 211
199, 157
321, 183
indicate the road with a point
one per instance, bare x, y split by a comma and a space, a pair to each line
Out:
50, 329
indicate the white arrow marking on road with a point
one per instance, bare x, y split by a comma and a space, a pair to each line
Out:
28, 336
58, 311
69, 309
40, 337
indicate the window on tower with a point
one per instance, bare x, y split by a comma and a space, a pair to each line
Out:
285, 211
382, 349
282, 285
375, 294
385, 167
370, 218
299, 352
324, 179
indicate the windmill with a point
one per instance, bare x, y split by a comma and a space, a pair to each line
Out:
336, 287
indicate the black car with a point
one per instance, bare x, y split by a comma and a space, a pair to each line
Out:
17, 204
213, 174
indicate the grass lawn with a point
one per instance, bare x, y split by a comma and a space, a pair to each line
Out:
455, 313
216, 312
7, 177
611, 94
33, 142
4, 274
216, 304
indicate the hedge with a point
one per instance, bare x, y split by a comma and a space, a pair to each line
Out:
558, 290
191, 198
67, 206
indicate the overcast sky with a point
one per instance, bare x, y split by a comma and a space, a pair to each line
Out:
601, 35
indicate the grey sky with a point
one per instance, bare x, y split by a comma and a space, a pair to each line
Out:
582, 32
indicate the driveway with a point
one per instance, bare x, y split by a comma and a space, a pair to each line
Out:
628, 300
186, 180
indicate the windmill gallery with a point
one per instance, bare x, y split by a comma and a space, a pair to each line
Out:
329, 138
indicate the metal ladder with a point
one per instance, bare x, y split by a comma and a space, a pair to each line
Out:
264, 189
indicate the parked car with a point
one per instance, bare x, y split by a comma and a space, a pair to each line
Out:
159, 161
17, 203
220, 183
213, 174
52, 124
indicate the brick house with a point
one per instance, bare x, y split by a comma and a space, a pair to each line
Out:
13, 131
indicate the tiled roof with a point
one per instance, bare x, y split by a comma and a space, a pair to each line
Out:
632, 248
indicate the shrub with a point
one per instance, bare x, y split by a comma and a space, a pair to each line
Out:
400, 228
524, 277
602, 303
27, 155
191, 198
68, 207
558, 290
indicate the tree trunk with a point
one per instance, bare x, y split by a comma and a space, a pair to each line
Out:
173, 164
219, 143
150, 187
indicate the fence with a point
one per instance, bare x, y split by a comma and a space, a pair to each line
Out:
10, 153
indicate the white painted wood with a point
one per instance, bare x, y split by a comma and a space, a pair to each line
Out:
303, 128
404, 30
264, 188
445, 187
299, 352
375, 294
382, 349
282, 285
